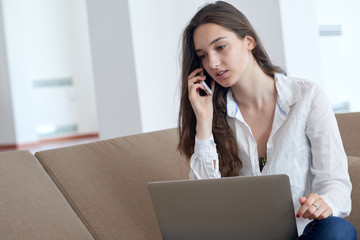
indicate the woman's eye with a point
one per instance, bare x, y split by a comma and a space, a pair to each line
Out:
221, 47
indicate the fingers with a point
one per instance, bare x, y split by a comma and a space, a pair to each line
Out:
314, 211
201, 105
194, 82
325, 214
313, 207
213, 86
321, 212
306, 204
194, 75
302, 200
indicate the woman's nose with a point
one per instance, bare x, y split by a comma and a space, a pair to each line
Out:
214, 61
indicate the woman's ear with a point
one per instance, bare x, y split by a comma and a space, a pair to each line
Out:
250, 42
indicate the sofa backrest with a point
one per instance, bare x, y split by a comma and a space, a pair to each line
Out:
349, 126
106, 181
354, 171
31, 206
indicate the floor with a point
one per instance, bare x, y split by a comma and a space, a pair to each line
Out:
55, 143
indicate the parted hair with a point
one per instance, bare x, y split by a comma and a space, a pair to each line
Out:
227, 16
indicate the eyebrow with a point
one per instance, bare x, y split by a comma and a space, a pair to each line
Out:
212, 42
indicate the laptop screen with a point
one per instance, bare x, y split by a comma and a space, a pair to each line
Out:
257, 207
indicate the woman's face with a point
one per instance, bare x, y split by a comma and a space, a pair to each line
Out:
225, 57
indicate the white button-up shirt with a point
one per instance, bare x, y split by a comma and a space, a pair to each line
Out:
304, 143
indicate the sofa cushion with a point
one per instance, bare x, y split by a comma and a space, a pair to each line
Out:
31, 206
354, 171
349, 126
106, 181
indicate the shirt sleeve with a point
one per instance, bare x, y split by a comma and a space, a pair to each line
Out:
329, 166
204, 162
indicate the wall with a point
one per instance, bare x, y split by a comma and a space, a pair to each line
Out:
117, 99
150, 31
7, 128
340, 54
20, 84
81, 67
301, 39
47, 40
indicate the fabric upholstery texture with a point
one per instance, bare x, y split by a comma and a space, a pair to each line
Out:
349, 126
354, 171
31, 206
99, 190
106, 181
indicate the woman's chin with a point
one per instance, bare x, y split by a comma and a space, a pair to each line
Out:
226, 84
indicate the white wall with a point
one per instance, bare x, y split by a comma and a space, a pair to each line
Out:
81, 67
7, 128
20, 84
114, 70
47, 40
301, 39
340, 54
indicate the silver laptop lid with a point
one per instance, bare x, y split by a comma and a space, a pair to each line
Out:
248, 208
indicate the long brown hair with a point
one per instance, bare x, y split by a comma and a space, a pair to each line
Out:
227, 16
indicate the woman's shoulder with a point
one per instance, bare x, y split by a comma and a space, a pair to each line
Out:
300, 85
300, 92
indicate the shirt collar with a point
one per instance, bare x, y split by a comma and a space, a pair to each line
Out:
288, 93
232, 107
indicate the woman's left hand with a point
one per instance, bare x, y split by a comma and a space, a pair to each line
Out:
313, 207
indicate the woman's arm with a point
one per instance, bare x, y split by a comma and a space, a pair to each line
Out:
201, 105
329, 168
204, 162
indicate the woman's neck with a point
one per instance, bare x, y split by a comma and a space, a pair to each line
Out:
255, 89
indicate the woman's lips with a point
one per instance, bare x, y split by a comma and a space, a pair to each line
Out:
221, 74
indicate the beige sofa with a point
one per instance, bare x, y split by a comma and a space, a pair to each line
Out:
99, 190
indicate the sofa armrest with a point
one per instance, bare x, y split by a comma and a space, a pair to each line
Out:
31, 207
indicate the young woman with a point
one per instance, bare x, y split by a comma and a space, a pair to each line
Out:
259, 121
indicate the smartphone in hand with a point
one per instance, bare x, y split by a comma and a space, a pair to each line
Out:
206, 83
207, 88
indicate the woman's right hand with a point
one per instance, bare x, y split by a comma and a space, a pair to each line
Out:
202, 105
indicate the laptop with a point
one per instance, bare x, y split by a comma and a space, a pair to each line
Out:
256, 207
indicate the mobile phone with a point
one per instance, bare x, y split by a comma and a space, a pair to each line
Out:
206, 83
207, 88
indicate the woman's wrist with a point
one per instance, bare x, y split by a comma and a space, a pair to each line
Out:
204, 130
